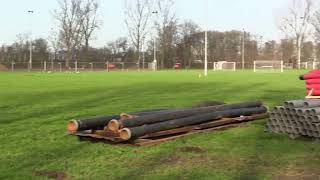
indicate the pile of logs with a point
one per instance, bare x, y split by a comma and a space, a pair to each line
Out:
128, 127
296, 118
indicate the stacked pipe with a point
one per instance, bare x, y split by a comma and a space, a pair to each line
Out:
296, 118
129, 126
312, 80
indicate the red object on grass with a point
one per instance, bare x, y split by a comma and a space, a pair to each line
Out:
177, 66
313, 86
312, 81
311, 75
110, 66
315, 92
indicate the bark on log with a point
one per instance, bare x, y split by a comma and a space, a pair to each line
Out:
155, 118
101, 121
130, 133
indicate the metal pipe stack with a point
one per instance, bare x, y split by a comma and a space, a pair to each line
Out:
296, 118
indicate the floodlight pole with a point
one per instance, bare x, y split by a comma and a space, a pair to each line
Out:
155, 46
206, 54
30, 42
244, 33
206, 42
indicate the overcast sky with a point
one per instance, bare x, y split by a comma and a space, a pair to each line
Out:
256, 16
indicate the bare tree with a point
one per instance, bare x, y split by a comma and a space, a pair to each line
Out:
186, 31
54, 45
297, 24
118, 47
21, 46
167, 28
316, 25
70, 19
90, 22
137, 14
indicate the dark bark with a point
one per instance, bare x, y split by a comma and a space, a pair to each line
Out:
159, 117
166, 125
95, 122
101, 121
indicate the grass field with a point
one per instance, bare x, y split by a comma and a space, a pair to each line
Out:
35, 108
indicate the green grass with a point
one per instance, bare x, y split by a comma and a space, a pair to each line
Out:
35, 108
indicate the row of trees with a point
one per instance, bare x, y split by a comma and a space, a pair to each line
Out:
152, 25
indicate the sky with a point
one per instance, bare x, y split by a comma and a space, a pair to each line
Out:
255, 16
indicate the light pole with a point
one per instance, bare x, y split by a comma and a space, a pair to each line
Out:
244, 33
155, 46
206, 41
30, 42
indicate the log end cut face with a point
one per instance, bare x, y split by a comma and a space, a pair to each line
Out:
114, 125
73, 126
125, 134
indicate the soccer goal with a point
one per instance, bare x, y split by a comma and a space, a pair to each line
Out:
268, 66
152, 66
309, 65
224, 65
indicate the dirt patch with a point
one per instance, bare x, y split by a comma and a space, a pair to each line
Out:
298, 174
192, 149
171, 159
3, 68
51, 174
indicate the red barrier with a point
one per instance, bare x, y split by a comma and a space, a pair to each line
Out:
311, 75
313, 86
312, 81
315, 92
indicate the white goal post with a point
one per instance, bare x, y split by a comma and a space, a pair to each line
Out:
309, 65
152, 65
268, 66
224, 65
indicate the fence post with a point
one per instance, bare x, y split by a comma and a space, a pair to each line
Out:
52, 68
45, 66
76, 66
12, 66
91, 66
60, 67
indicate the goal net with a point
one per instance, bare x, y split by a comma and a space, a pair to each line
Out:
268, 66
152, 66
224, 65
309, 65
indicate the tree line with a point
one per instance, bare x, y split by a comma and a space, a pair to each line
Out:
153, 28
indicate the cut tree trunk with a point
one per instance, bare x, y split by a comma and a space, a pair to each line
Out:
131, 133
100, 122
160, 117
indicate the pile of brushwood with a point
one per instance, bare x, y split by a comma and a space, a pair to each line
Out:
128, 127
296, 118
